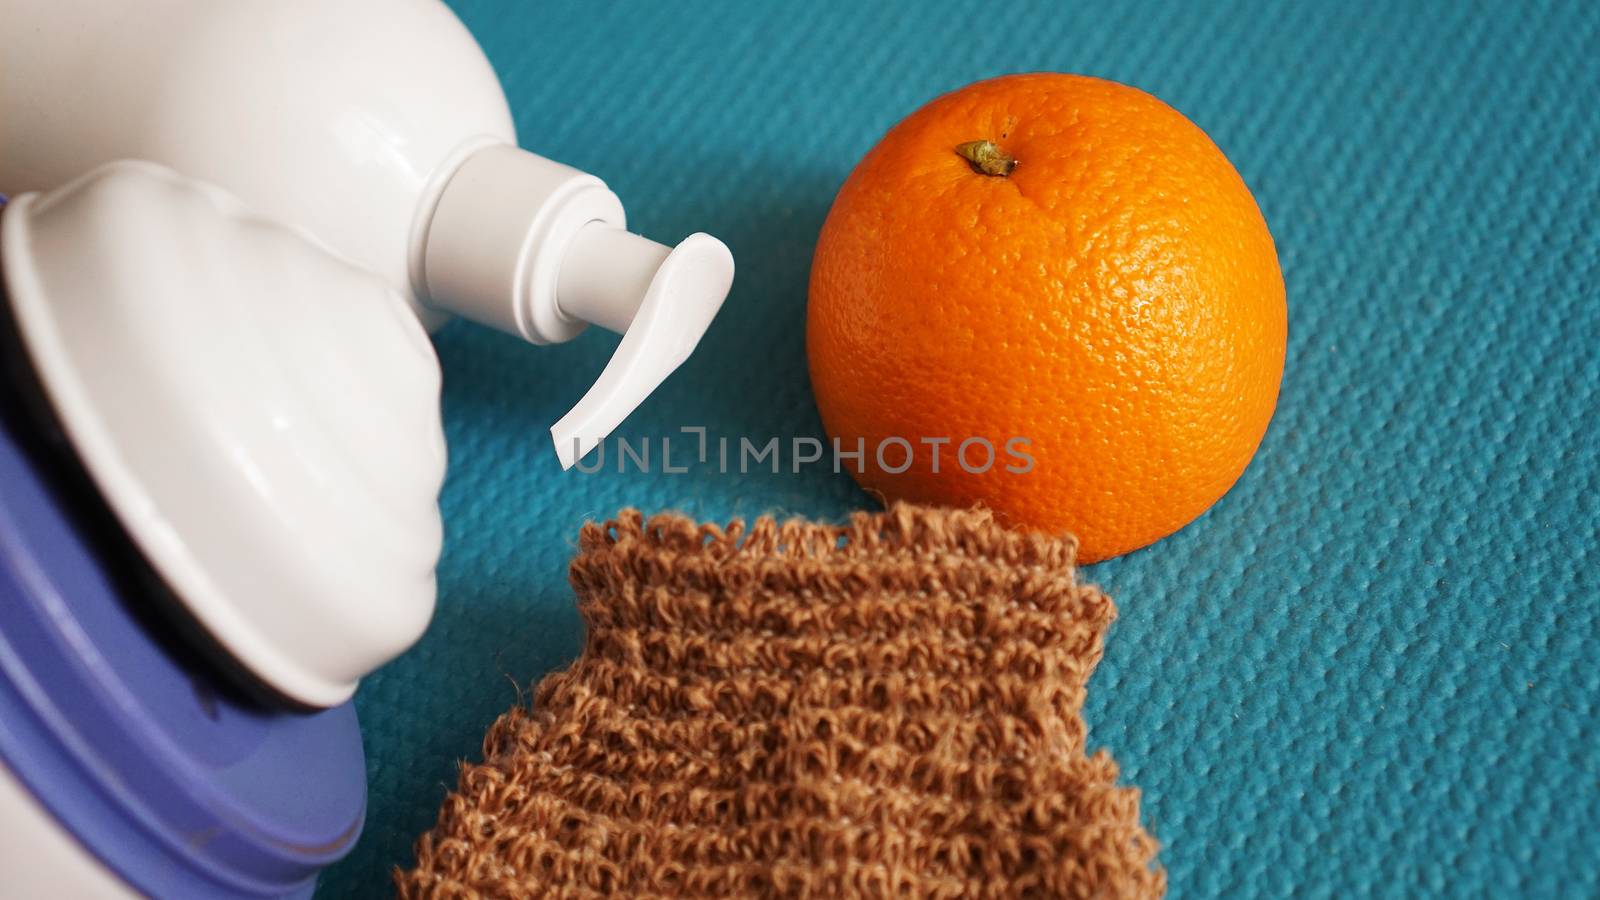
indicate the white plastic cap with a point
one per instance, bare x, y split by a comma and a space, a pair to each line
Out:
261, 417
538, 249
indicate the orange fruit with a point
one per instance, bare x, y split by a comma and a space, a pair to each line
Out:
1058, 260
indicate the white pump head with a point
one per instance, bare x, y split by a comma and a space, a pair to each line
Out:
540, 250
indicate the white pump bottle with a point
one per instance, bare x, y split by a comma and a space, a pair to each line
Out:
378, 127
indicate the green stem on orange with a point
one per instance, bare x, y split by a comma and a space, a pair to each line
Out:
986, 158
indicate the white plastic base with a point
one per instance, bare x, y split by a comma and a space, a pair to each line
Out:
42, 859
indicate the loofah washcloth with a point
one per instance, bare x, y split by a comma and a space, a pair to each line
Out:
886, 708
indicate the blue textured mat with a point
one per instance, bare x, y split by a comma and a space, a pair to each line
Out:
1372, 667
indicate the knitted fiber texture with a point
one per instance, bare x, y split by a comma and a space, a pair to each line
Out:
885, 708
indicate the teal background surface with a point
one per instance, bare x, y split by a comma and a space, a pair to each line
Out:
1371, 668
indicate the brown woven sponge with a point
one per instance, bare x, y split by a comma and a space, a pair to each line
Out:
886, 708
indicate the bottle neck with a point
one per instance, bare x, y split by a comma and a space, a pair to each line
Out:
498, 238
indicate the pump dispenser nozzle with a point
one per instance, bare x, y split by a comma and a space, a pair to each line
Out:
540, 250
608, 279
